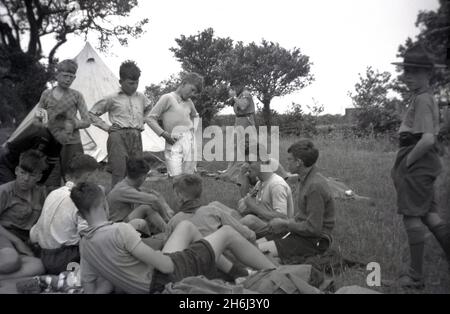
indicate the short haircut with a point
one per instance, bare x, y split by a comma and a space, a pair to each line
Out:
85, 196
129, 70
304, 149
67, 65
81, 164
33, 161
136, 168
194, 79
189, 185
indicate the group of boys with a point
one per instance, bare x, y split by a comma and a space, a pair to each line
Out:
131, 241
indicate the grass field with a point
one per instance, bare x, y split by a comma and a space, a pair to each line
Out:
365, 232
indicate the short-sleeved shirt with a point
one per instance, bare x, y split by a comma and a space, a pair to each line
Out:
174, 112
315, 210
123, 110
20, 209
422, 115
276, 194
106, 252
124, 198
59, 224
245, 96
70, 103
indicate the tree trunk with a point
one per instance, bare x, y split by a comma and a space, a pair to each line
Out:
267, 114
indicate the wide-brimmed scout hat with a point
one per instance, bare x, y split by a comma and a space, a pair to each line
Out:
417, 57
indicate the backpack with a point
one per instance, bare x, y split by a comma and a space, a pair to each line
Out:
286, 279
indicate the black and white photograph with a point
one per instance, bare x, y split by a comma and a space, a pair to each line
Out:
224, 152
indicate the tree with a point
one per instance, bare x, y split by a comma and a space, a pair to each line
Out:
434, 29
272, 71
206, 54
377, 113
24, 22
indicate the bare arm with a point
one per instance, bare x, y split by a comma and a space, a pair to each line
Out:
85, 120
153, 258
98, 110
422, 147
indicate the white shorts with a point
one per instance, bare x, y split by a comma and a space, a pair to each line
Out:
180, 157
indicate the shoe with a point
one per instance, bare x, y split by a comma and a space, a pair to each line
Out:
411, 281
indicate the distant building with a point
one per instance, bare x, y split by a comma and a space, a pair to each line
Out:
351, 114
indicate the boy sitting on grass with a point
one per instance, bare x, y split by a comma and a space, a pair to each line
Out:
21, 203
207, 218
127, 202
57, 230
114, 256
308, 233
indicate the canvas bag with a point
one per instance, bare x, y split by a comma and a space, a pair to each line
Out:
286, 279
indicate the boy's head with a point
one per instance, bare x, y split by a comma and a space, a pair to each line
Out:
302, 155
29, 171
137, 170
88, 197
82, 168
191, 84
237, 87
187, 187
418, 67
129, 74
66, 72
416, 78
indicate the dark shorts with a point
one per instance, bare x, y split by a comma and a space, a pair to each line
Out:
198, 259
298, 246
415, 184
56, 261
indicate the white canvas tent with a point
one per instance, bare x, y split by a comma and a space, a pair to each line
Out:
95, 81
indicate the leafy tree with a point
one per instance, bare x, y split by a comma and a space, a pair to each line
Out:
272, 71
24, 22
22, 25
377, 113
434, 29
206, 54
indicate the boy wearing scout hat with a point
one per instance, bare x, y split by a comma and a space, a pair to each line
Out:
417, 165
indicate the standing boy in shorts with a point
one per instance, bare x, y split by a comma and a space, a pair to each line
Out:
177, 112
127, 109
63, 103
417, 165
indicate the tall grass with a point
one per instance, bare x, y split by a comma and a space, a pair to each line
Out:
365, 231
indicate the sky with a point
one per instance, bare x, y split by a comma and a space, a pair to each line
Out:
341, 38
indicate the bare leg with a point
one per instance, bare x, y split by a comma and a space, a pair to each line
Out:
228, 238
152, 216
30, 266
184, 234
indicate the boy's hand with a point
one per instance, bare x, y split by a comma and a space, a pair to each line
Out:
169, 138
69, 127
278, 225
113, 128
